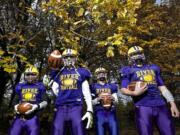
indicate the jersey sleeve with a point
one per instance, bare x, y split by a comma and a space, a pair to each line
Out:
159, 80
17, 94
85, 73
17, 89
42, 88
43, 92
92, 88
53, 74
114, 88
125, 76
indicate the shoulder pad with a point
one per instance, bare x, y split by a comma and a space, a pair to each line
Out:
155, 67
125, 70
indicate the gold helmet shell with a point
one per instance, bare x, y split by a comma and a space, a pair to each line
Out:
32, 69
100, 70
31, 74
136, 56
134, 49
69, 52
101, 74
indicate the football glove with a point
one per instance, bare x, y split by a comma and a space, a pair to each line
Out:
15, 109
46, 80
89, 117
96, 101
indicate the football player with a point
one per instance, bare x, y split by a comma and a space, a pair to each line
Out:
150, 106
32, 92
104, 99
71, 86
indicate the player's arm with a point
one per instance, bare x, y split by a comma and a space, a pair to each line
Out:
170, 99
41, 105
95, 99
51, 81
87, 95
114, 93
15, 101
137, 92
125, 80
55, 88
166, 93
88, 99
126, 91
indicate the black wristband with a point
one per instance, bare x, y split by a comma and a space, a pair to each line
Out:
90, 112
38, 107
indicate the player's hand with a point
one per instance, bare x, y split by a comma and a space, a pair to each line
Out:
46, 80
89, 117
114, 98
15, 109
101, 96
138, 91
34, 108
96, 101
174, 111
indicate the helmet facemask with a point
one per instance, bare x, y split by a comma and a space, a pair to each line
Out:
101, 76
69, 61
30, 77
137, 58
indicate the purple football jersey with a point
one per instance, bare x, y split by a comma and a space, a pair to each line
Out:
149, 74
97, 89
70, 85
30, 92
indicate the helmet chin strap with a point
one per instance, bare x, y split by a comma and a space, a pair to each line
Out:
139, 62
101, 82
102, 79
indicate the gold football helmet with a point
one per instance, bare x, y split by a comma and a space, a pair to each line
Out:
31, 74
136, 54
69, 57
101, 73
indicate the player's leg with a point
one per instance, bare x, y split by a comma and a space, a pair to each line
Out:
32, 126
164, 121
16, 127
113, 123
100, 121
144, 120
59, 121
75, 114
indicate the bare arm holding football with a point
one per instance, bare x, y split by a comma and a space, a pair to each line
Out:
135, 89
126, 91
169, 97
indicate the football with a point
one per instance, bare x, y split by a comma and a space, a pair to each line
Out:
54, 60
24, 107
133, 84
106, 100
